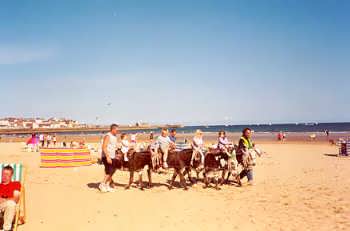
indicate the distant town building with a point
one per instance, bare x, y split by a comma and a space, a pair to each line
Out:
34, 123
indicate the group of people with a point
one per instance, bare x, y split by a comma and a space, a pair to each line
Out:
50, 141
47, 140
165, 142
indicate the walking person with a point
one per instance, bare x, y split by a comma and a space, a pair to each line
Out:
109, 147
54, 140
246, 155
42, 140
48, 140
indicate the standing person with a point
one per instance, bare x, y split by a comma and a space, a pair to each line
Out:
9, 196
109, 147
151, 136
133, 142
133, 138
173, 135
245, 155
125, 146
54, 140
42, 140
280, 136
165, 143
48, 140
197, 145
327, 134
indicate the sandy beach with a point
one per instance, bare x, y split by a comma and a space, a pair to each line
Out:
298, 186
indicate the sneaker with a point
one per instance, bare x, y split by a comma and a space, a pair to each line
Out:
103, 187
110, 189
165, 165
251, 183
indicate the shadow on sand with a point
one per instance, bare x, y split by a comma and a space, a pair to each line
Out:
134, 185
331, 154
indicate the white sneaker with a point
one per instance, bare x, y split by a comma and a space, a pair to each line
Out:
110, 189
251, 183
103, 187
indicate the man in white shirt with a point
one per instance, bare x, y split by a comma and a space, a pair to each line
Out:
42, 140
109, 147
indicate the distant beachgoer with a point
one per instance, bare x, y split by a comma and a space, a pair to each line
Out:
280, 136
109, 147
48, 140
74, 144
64, 144
173, 135
151, 136
42, 140
54, 140
165, 143
133, 138
313, 136
124, 146
327, 133
197, 145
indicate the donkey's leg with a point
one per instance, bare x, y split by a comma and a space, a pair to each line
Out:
216, 178
182, 180
172, 180
205, 178
189, 173
149, 174
228, 177
222, 179
131, 179
140, 180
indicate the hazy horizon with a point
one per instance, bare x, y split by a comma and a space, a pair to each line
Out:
188, 62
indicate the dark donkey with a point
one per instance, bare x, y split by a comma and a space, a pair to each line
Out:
180, 161
139, 161
216, 161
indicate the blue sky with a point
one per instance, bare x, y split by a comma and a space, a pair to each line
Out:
176, 61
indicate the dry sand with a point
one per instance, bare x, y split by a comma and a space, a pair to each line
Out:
298, 187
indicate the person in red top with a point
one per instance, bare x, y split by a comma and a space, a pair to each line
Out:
9, 196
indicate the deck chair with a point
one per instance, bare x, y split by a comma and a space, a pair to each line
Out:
18, 175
